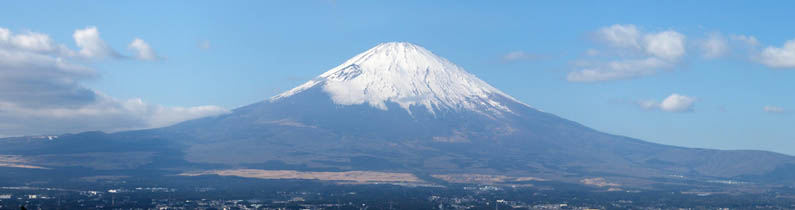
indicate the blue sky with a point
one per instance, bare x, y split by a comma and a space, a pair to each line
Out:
204, 58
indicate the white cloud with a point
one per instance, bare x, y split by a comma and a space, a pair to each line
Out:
91, 45
714, 46
518, 55
668, 45
103, 113
143, 50
5, 34
677, 103
779, 57
773, 109
673, 103
41, 93
32, 42
640, 54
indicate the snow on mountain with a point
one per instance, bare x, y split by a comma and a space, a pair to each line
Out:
408, 75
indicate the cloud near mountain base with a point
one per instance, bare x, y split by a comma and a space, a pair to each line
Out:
673, 103
41, 90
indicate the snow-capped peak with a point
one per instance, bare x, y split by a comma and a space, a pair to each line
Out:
408, 75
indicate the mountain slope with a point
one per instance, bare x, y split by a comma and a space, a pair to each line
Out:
398, 107
405, 107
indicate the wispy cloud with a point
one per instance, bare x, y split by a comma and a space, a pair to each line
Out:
519, 55
620, 36
773, 109
715, 46
750, 41
41, 89
641, 54
622, 69
592, 52
204, 45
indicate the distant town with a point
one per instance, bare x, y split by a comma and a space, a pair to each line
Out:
324, 195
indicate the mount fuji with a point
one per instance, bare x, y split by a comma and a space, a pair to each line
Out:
400, 108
